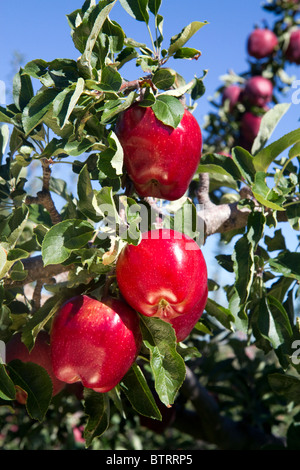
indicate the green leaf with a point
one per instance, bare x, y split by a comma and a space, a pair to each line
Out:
7, 387
221, 164
154, 6
104, 7
286, 386
22, 90
272, 321
187, 53
263, 193
263, 159
288, 264
37, 108
6, 116
17, 253
268, 124
36, 382
137, 391
97, 409
245, 163
168, 110
180, 39
64, 237
4, 139
222, 314
88, 203
111, 80
138, 9
163, 78
65, 102
167, 365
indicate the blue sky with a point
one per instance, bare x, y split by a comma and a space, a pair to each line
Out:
38, 29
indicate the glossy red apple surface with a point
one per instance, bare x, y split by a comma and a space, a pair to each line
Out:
232, 94
165, 276
94, 342
258, 91
184, 324
261, 43
160, 160
293, 50
40, 354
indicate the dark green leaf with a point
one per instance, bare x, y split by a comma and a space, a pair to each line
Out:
65, 101
22, 90
167, 365
163, 79
288, 264
98, 411
36, 382
136, 389
138, 9
222, 314
245, 163
7, 387
37, 108
111, 80
154, 6
286, 386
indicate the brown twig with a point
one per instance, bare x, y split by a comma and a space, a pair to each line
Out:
44, 197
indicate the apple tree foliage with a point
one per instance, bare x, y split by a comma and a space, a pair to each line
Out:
63, 113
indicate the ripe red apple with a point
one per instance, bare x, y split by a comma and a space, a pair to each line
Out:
258, 91
94, 342
261, 43
232, 93
184, 324
40, 354
160, 160
250, 124
293, 50
165, 276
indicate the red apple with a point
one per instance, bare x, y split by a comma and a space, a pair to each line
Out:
250, 125
165, 276
261, 43
258, 91
40, 354
94, 342
293, 50
232, 94
184, 324
160, 160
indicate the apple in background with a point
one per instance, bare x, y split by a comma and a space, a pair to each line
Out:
232, 94
250, 125
292, 52
165, 276
258, 91
40, 354
261, 43
94, 342
160, 160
